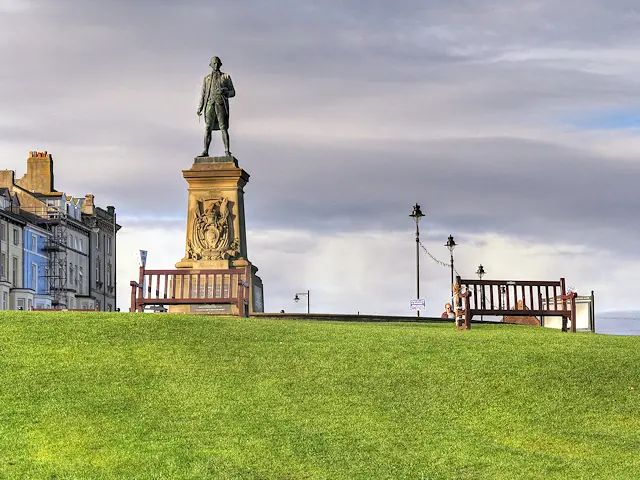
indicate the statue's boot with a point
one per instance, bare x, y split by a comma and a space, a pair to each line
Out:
207, 142
225, 140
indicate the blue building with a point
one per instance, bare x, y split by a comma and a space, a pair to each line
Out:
36, 265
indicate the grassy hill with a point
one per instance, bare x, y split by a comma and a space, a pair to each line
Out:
139, 396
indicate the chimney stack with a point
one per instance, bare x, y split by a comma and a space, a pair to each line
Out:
39, 176
88, 206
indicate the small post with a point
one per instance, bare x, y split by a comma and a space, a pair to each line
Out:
593, 313
141, 281
247, 291
467, 311
563, 292
573, 312
134, 286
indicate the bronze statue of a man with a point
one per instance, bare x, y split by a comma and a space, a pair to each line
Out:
217, 88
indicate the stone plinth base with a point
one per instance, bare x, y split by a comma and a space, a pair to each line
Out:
216, 234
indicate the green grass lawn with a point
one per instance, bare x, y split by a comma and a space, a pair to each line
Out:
133, 396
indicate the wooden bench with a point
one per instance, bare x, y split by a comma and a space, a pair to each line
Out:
191, 287
540, 298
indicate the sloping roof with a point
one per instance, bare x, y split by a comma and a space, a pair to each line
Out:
13, 217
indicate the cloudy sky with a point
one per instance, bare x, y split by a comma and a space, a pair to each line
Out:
515, 125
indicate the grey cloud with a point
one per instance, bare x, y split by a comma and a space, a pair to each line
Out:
110, 88
502, 185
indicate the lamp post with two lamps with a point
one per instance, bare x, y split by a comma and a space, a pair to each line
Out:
417, 215
480, 272
297, 298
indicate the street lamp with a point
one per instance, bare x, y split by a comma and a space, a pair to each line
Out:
297, 298
480, 272
417, 215
451, 244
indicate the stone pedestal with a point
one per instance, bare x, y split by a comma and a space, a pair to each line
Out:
216, 233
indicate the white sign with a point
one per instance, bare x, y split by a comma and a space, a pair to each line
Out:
417, 304
142, 259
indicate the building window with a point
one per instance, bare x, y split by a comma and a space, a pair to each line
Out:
16, 236
34, 243
81, 244
80, 279
97, 240
70, 274
34, 276
108, 240
21, 304
29, 304
98, 271
14, 272
3, 231
109, 282
3, 259
70, 241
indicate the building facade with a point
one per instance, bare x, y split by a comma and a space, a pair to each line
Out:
78, 262
12, 293
65, 251
103, 253
36, 264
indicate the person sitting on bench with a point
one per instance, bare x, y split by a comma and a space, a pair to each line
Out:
448, 313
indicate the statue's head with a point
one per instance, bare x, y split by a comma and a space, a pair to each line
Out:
215, 62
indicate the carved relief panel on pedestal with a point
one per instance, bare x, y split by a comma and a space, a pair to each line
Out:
211, 234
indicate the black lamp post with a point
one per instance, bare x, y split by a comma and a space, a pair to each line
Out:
417, 215
297, 299
451, 244
480, 272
